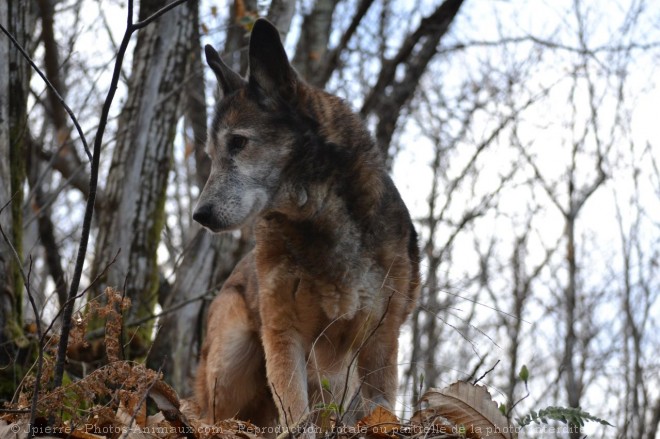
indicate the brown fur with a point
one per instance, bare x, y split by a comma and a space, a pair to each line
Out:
334, 271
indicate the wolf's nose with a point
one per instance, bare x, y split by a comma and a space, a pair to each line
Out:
203, 214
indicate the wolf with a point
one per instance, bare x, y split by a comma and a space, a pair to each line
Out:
311, 316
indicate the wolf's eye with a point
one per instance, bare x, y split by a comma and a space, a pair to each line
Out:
235, 144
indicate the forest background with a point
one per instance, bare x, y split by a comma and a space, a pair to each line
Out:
522, 134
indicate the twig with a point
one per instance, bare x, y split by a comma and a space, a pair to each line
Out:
331, 60
140, 24
131, 324
474, 383
89, 209
8, 242
40, 358
215, 390
508, 412
14, 411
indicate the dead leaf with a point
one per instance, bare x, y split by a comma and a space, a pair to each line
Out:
380, 423
133, 417
169, 404
469, 407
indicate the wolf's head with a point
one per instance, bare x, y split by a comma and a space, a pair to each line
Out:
252, 135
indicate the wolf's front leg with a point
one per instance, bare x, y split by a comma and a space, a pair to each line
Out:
286, 367
287, 374
377, 367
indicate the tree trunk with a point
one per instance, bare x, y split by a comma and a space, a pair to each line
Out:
14, 80
314, 36
132, 218
280, 13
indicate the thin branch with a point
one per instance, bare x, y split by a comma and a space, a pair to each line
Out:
14, 411
40, 357
331, 60
132, 324
140, 24
474, 383
14, 253
551, 45
435, 24
287, 431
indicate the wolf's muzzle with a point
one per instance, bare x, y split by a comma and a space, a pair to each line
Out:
204, 215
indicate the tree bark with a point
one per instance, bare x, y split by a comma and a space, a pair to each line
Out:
14, 80
314, 36
175, 350
280, 13
133, 215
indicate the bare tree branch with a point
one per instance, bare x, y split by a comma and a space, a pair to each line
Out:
330, 62
388, 96
51, 87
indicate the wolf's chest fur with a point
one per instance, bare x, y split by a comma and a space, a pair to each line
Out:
329, 265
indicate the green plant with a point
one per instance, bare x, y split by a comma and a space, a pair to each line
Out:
566, 415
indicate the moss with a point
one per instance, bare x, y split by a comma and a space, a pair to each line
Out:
17, 162
9, 379
24, 353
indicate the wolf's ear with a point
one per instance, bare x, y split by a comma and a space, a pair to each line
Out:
228, 79
269, 66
